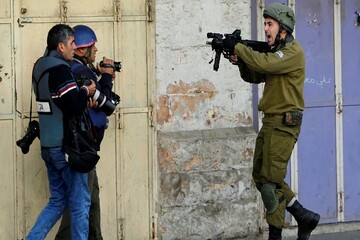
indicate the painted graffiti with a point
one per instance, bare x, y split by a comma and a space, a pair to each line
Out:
318, 82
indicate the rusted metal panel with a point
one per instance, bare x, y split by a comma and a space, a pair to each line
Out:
6, 71
134, 170
7, 183
134, 85
134, 8
95, 9
8, 205
5, 9
38, 8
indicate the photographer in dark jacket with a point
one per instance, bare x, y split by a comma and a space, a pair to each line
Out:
83, 69
58, 101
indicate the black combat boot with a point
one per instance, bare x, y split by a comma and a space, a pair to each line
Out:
274, 233
306, 219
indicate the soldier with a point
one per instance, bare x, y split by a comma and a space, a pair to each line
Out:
283, 71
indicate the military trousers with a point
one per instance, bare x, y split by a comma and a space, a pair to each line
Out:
274, 145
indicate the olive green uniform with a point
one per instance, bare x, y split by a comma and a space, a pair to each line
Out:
283, 71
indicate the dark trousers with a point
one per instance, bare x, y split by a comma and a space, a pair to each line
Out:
94, 213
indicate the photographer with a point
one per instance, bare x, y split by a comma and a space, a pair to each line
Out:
283, 71
83, 69
59, 101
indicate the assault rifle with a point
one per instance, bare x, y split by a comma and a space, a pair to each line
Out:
217, 45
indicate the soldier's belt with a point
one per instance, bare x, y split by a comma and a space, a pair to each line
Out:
292, 118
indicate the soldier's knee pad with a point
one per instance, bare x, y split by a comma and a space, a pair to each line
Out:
269, 198
277, 218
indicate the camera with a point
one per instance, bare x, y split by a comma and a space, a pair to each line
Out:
32, 132
117, 65
106, 104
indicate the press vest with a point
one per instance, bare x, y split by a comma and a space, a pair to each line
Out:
50, 116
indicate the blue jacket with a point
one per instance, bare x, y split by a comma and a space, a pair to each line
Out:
104, 85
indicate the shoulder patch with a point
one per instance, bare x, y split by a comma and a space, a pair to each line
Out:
280, 53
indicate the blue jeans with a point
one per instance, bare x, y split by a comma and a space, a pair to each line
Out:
67, 187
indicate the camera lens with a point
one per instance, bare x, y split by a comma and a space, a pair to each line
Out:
117, 66
109, 107
99, 98
106, 105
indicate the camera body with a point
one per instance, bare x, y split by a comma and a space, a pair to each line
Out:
117, 65
106, 104
33, 131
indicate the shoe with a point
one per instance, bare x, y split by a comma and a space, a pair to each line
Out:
306, 219
274, 233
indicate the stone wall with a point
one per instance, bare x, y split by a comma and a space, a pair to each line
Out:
205, 184
191, 96
205, 135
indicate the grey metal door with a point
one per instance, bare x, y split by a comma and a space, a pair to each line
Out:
350, 35
312, 172
323, 171
328, 147
317, 166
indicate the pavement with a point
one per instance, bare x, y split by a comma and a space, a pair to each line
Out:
354, 235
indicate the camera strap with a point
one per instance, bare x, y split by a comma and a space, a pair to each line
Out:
31, 103
31, 93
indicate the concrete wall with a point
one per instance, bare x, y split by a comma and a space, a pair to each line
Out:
206, 188
190, 94
205, 134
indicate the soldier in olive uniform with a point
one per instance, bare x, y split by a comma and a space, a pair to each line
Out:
283, 71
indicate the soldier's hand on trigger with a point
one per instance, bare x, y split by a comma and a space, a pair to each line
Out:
233, 59
109, 70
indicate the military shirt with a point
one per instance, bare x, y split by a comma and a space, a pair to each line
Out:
284, 76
